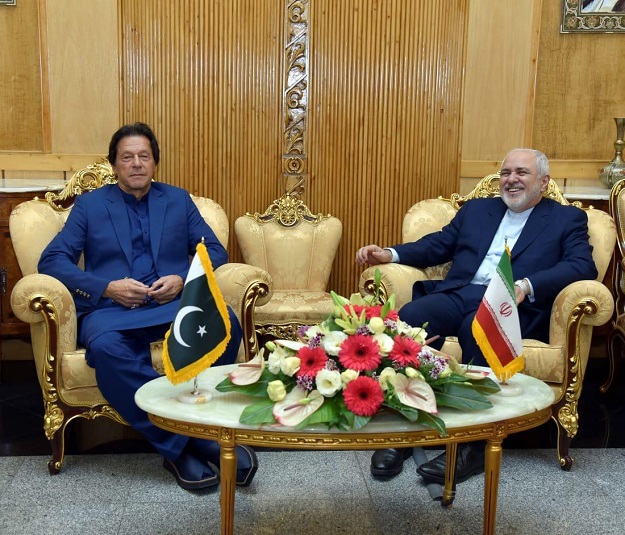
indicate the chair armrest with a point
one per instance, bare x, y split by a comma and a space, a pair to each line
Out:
244, 287
588, 302
578, 308
48, 306
397, 279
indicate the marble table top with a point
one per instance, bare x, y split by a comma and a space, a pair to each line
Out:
523, 395
24, 185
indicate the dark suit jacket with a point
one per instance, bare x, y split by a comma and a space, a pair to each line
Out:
552, 251
98, 226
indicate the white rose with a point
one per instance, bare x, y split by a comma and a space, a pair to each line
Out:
376, 325
331, 342
328, 382
347, 376
385, 342
289, 365
387, 377
276, 390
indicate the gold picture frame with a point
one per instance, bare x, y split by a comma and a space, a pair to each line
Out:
598, 16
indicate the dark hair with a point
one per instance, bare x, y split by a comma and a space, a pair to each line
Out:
129, 130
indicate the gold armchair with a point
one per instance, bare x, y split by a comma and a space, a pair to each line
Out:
562, 362
68, 385
296, 249
616, 338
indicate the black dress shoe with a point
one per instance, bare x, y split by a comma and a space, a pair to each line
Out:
387, 463
191, 473
247, 461
469, 462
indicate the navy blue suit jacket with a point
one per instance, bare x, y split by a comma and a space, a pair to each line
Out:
552, 252
98, 226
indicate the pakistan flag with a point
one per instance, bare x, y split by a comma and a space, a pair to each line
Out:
200, 331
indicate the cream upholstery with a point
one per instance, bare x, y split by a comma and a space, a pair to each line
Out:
296, 249
580, 306
68, 385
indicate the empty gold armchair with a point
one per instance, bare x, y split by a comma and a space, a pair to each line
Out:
297, 250
68, 385
577, 309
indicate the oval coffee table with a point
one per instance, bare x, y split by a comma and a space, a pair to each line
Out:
523, 404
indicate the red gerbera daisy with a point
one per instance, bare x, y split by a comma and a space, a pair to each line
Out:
363, 396
405, 351
392, 315
360, 352
312, 360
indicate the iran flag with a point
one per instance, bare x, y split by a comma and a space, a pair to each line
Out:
496, 325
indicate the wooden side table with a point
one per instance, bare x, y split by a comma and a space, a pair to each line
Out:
218, 420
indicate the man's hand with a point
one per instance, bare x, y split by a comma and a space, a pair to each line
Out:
166, 289
127, 292
373, 255
519, 294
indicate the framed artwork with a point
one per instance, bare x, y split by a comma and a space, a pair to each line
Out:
599, 16
7, 2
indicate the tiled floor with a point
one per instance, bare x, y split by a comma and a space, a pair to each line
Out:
121, 488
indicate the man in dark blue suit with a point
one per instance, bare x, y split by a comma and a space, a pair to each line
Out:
549, 250
137, 237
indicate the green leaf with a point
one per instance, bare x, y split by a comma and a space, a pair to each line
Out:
324, 414
257, 389
430, 420
260, 412
461, 396
485, 386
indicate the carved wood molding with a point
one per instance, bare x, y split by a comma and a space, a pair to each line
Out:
295, 96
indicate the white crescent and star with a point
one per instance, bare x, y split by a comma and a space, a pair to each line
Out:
179, 317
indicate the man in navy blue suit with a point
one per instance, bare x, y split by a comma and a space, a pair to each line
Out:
549, 250
137, 237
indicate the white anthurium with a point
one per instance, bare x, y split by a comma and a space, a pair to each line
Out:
385, 342
476, 374
387, 376
297, 406
249, 372
291, 344
415, 393
331, 342
328, 382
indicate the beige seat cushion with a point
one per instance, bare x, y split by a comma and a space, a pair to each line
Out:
76, 373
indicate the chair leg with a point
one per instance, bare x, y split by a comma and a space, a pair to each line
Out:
57, 445
615, 345
566, 419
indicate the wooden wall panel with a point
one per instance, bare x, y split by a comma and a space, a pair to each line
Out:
502, 49
580, 89
380, 104
20, 78
207, 77
386, 100
82, 64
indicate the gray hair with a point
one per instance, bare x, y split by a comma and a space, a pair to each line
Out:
542, 163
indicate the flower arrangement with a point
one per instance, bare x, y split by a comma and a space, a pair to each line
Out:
360, 360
